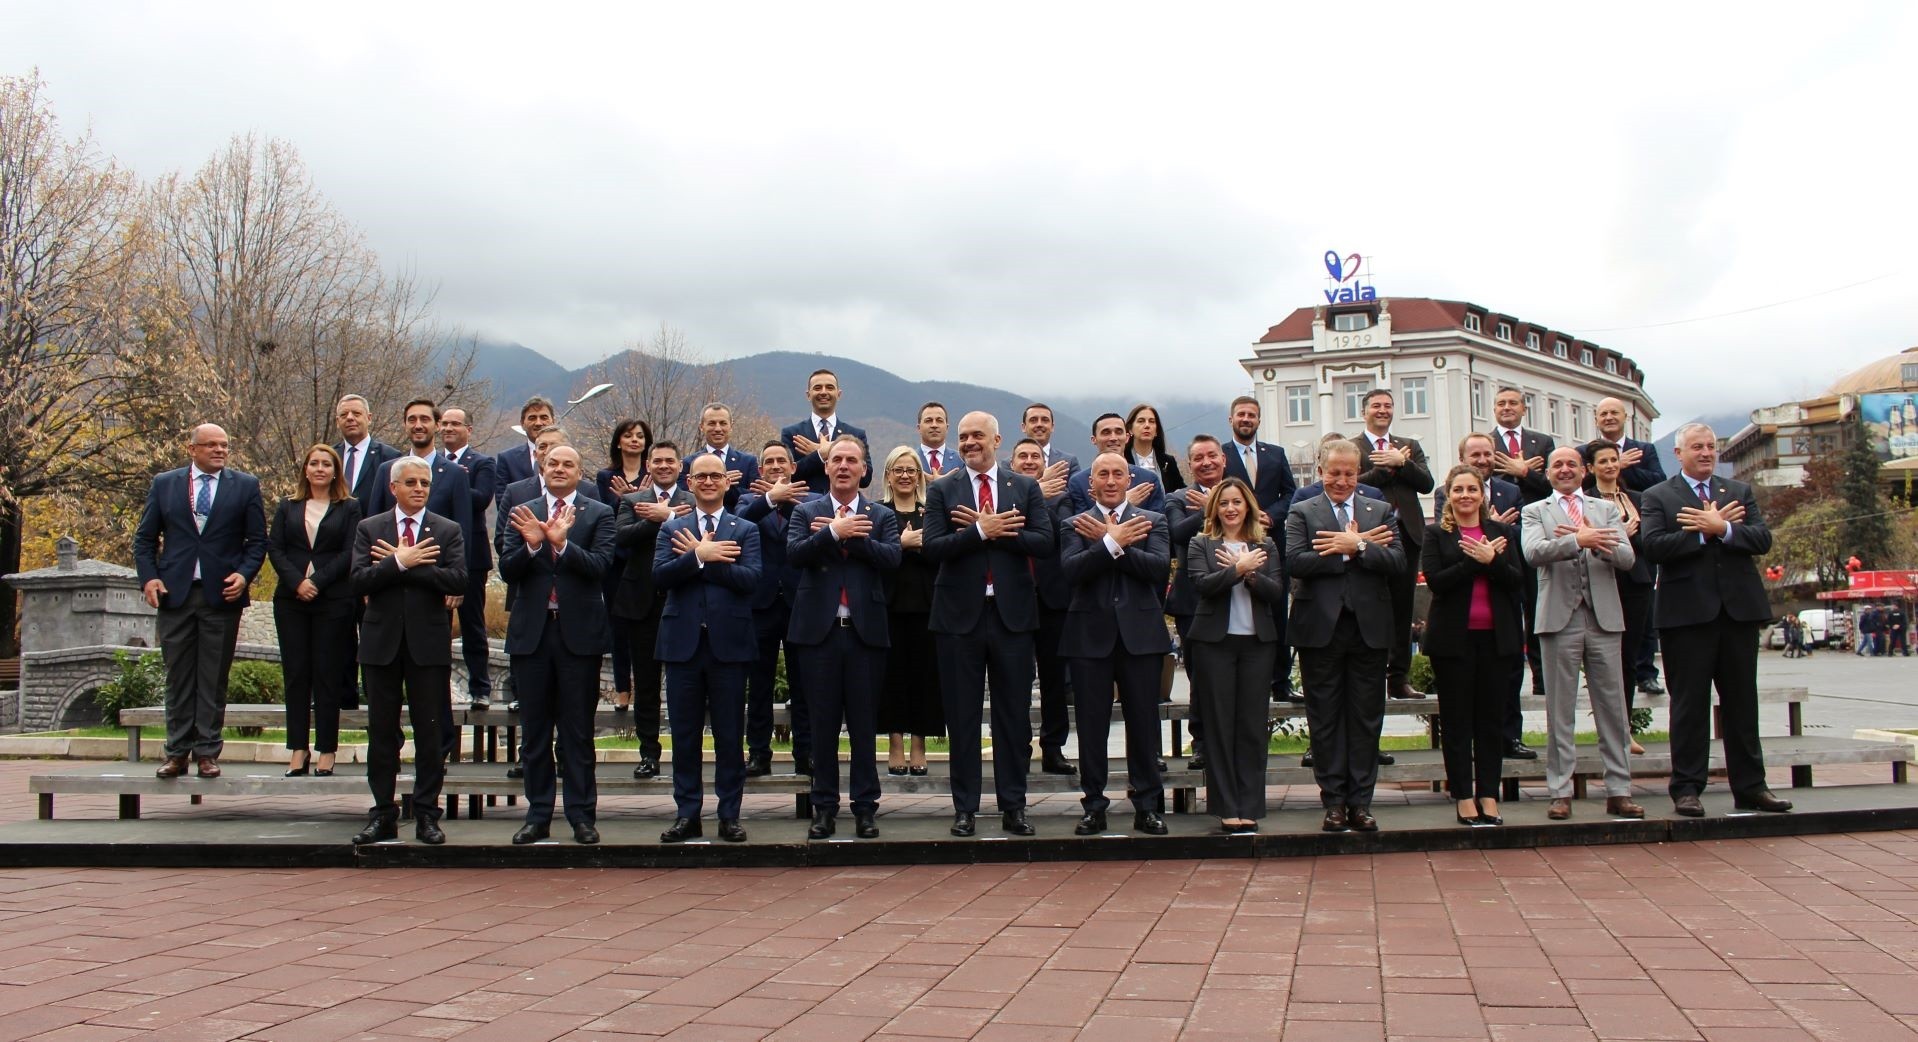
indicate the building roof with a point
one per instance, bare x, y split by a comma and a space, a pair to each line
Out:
1885, 374
1428, 315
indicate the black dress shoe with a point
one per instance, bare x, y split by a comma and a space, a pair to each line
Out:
513, 706
1196, 762
1689, 806
1490, 819
864, 826
1651, 687
1361, 820
1761, 800
380, 825
1014, 821
731, 831
802, 765
646, 769
1091, 823
759, 766
1386, 759
426, 828
1334, 820
531, 833
1162, 767
1148, 822
516, 772
1055, 762
585, 834
917, 772
1520, 751
897, 772
963, 824
1306, 760
681, 830
822, 825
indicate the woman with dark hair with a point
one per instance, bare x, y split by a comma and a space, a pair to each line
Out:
631, 440
909, 701
1473, 568
1233, 641
311, 547
1634, 586
1147, 448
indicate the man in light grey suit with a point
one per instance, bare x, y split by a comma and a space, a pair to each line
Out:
1579, 545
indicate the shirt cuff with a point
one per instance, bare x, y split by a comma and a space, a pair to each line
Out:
1113, 547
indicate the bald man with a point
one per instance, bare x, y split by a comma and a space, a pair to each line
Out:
1639, 468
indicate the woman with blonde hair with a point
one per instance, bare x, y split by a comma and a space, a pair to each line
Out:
1233, 641
311, 548
909, 702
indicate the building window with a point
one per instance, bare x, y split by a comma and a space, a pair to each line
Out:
1505, 331
1578, 421
1478, 400
1298, 404
1562, 349
1471, 323
1585, 355
1611, 365
1412, 400
1552, 416
1531, 341
1347, 321
1908, 373
1531, 406
1355, 398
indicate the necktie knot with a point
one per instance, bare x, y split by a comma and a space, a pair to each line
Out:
825, 432
1381, 444
709, 524
1704, 492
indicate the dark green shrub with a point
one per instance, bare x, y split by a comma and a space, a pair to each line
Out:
1419, 674
141, 682
255, 683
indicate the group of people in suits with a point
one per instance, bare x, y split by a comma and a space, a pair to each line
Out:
932, 607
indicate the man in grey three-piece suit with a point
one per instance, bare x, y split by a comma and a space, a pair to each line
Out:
1579, 545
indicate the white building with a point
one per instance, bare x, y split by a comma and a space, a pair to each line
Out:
1443, 360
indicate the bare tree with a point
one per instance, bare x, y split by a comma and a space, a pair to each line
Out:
666, 382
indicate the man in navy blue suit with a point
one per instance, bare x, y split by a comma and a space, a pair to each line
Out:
1055, 596
557, 549
1638, 463
1263, 466
935, 456
360, 453
1503, 498
200, 541
521, 461
708, 563
842, 545
1036, 423
770, 507
1109, 435
716, 432
984, 527
807, 440
456, 435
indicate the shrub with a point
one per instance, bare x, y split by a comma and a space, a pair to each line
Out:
1419, 674
140, 683
255, 683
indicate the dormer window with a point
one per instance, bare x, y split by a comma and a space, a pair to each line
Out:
1531, 341
1562, 349
1505, 331
1585, 355
1472, 323
1348, 321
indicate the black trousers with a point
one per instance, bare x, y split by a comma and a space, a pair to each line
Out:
1722, 653
311, 634
843, 676
641, 636
1345, 708
1399, 665
622, 645
1648, 647
966, 661
1282, 662
196, 642
558, 693
769, 628
695, 689
1055, 701
1195, 711
1231, 679
1635, 601
909, 700
422, 689
1137, 678
1472, 681
1528, 606
473, 646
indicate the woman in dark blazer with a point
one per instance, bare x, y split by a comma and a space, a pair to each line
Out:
909, 701
311, 547
1147, 448
1232, 642
1635, 586
1473, 568
632, 439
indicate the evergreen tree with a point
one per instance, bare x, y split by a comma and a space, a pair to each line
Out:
1867, 530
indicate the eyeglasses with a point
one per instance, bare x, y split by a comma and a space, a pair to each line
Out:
907, 471
706, 477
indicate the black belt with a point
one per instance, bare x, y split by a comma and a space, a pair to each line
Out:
844, 621
552, 613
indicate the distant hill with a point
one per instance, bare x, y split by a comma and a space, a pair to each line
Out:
1724, 426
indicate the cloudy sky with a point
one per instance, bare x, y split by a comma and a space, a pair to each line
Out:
1101, 197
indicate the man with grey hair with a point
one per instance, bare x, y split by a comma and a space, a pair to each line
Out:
360, 453
1705, 534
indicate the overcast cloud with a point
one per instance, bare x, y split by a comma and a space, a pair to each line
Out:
1068, 197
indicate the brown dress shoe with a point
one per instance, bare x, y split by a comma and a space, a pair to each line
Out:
1405, 690
1559, 810
1761, 800
209, 767
1361, 820
1334, 819
1623, 807
1688, 806
173, 767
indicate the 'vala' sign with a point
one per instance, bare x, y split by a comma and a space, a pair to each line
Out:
1345, 274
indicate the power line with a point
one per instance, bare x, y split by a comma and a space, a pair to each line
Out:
1744, 311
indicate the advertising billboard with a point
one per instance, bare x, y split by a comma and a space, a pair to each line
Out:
1891, 424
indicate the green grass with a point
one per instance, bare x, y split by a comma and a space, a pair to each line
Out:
277, 736
1536, 739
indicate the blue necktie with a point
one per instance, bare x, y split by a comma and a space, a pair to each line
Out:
203, 503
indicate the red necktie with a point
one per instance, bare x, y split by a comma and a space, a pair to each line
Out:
1574, 511
985, 507
1511, 443
932, 460
552, 595
1381, 444
406, 536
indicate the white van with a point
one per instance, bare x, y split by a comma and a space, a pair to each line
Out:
1824, 627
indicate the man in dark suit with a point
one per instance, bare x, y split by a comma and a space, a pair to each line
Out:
1502, 501
200, 541
1341, 552
984, 527
1055, 596
770, 508
806, 441
642, 513
1519, 454
935, 456
407, 562
842, 545
1638, 465
1036, 423
1185, 516
1705, 533
360, 453
1147, 491
1117, 558
456, 434
557, 549
1396, 467
1264, 468
451, 498
521, 461
716, 430
708, 563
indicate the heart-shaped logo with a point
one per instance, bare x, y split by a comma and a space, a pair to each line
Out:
1341, 270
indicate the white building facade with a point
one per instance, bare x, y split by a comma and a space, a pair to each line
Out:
1443, 361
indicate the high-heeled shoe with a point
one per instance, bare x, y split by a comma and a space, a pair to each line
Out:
1462, 819
323, 772
917, 772
300, 771
897, 772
